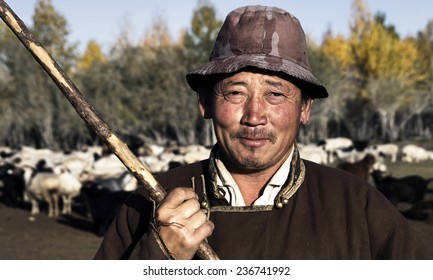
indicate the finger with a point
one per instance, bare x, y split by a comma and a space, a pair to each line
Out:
187, 209
177, 196
189, 239
182, 214
196, 220
204, 231
176, 208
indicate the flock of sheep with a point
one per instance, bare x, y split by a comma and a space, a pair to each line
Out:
30, 176
58, 176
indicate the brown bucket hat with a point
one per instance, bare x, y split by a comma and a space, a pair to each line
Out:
261, 37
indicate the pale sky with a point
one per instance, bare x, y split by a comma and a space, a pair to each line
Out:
103, 20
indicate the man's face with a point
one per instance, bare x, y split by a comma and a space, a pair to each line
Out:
256, 118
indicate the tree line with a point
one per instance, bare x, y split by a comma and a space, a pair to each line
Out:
381, 85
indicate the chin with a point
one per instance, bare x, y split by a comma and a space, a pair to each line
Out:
251, 164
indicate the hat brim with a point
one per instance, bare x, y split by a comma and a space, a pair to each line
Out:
234, 64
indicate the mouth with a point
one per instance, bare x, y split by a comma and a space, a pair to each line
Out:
253, 142
254, 139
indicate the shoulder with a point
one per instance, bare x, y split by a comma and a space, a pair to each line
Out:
340, 189
322, 174
334, 183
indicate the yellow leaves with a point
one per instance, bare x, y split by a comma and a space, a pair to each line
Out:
158, 35
372, 50
92, 54
338, 49
385, 55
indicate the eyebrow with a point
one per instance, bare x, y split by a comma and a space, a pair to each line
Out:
234, 83
275, 84
241, 83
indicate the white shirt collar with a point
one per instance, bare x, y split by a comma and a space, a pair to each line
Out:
230, 190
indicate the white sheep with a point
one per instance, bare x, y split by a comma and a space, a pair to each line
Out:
414, 153
313, 153
49, 186
331, 145
389, 150
44, 186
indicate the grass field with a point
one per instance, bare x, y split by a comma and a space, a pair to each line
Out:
400, 169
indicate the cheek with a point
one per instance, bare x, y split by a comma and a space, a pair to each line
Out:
285, 117
226, 115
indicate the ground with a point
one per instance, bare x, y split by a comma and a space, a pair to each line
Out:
23, 237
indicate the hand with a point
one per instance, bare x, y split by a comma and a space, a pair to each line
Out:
182, 224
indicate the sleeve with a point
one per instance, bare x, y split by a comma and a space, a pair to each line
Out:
391, 235
131, 235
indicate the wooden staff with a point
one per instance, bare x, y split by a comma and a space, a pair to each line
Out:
88, 113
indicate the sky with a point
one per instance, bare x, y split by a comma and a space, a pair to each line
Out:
103, 20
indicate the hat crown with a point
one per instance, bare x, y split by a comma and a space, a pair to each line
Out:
265, 38
258, 30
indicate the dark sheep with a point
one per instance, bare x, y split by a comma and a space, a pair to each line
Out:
12, 185
360, 168
410, 189
102, 204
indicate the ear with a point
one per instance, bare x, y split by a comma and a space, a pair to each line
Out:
204, 105
306, 109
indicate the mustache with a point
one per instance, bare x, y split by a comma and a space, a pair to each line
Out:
254, 134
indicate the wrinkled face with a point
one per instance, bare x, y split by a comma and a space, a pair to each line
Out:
256, 118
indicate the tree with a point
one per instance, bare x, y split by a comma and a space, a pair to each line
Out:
93, 54
51, 29
198, 44
169, 103
20, 75
422, 101
158, 34
5, 82
38, 112
382, 66
141, 89
204, 30
330, 62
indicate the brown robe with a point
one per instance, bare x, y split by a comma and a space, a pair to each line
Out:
332, 215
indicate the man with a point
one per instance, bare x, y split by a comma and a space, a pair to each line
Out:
255, 198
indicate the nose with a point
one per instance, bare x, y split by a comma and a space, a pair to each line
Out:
254, 112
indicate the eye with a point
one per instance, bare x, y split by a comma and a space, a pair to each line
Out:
235, 97
276, 97
277, 94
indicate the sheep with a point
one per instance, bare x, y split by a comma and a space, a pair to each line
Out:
12, 185
105, 167
361, 168
331, 145
313, 153
388, 150
44, 186
410, 189
413, 153
77, 162
49, 187
28, 156
349, 155
70, 187
103, 198
422, 210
